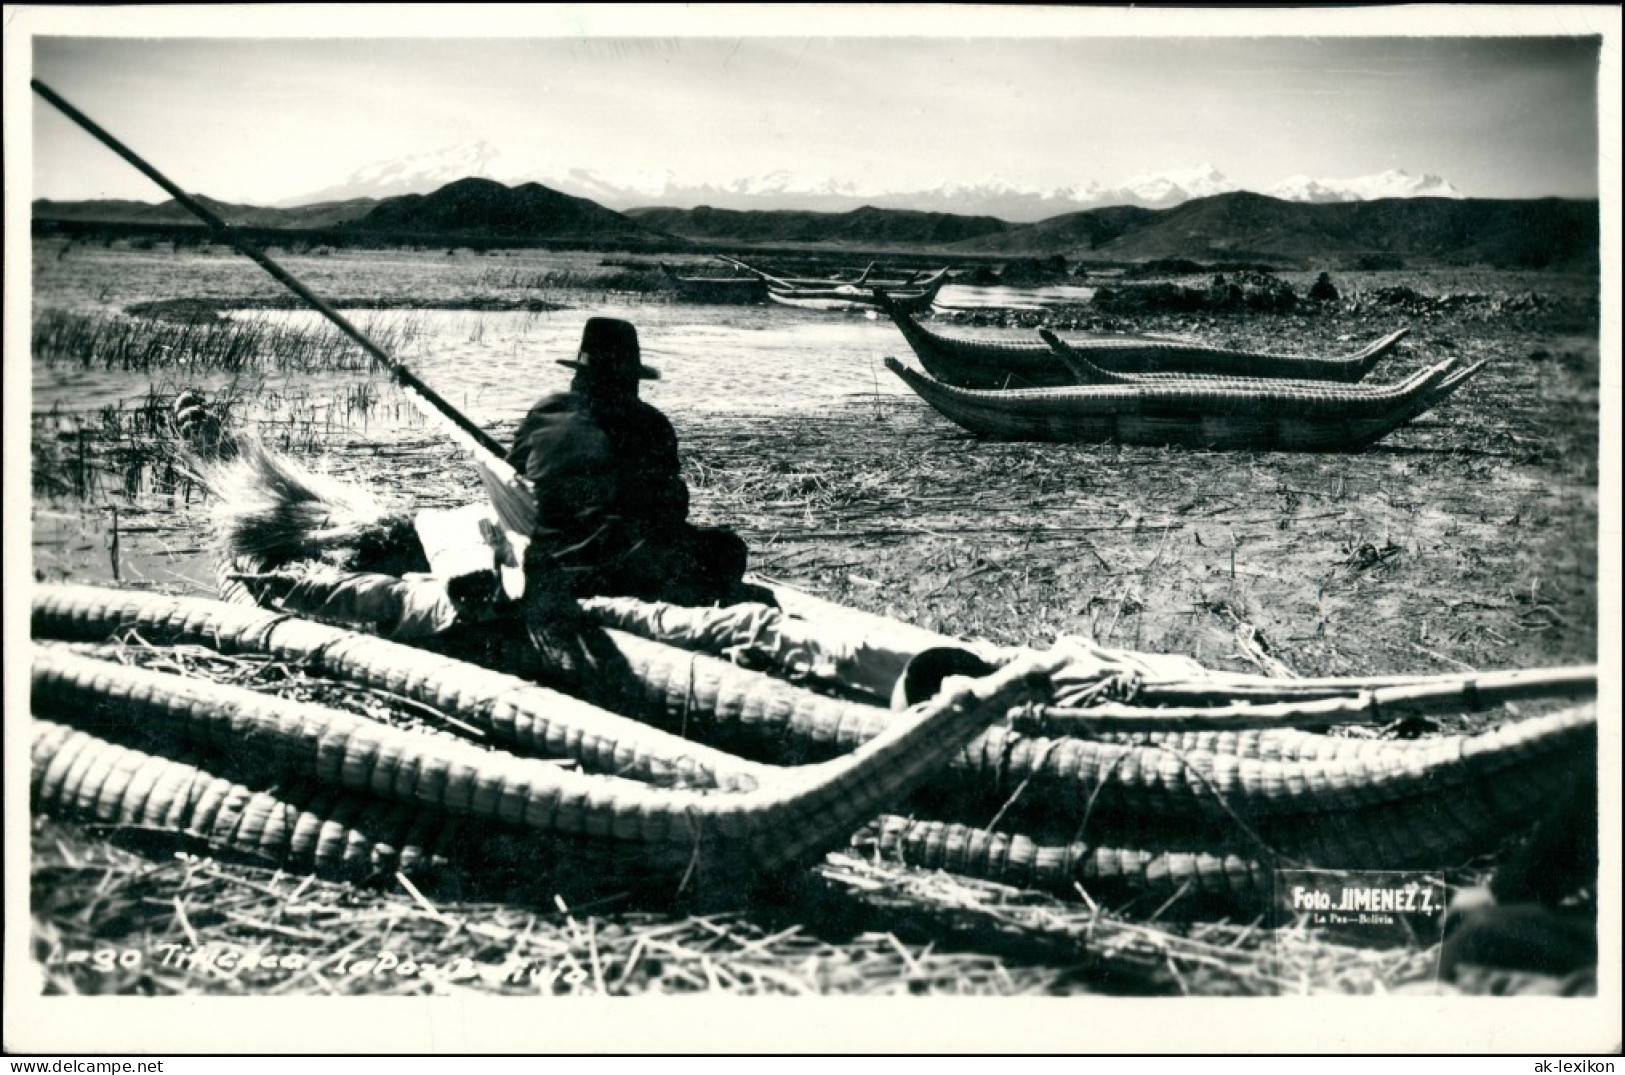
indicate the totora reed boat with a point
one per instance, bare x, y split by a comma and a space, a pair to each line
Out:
914, 297
1260, 416
970, 362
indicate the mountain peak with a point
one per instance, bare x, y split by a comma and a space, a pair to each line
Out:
417, 173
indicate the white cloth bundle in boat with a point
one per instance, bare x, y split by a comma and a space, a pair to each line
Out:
759, 636
470, 541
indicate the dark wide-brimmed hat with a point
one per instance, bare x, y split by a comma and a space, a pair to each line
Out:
609, 348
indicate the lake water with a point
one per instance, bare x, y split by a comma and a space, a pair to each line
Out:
711, 358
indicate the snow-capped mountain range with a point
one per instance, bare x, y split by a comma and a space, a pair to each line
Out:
1390, 184
993, 196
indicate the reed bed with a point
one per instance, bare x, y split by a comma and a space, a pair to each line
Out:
625, 279
191, 348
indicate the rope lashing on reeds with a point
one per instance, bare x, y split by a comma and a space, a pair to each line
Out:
1086, 372
1021, 862
1262, 744
1067, 777
1438, 824
353, 835
734, 709
1299, 398
349, 836
1237, 868
759, 831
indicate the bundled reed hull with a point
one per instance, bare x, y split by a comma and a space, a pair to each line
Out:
1209, 776
756, 832
1157, 816
1191, 414
1369, 804
981, 363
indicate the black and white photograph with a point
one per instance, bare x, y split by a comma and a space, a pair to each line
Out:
938, 519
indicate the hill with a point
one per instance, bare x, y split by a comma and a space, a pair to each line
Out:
859, 226
486, 209
111, 211
1532, 233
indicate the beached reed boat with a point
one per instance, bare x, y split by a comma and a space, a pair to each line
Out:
916, 292
1209, 816
914, 297
972, 362
1225, 792
1271, 416
716, 290
790, 283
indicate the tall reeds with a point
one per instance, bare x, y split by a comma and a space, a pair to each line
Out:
63, 338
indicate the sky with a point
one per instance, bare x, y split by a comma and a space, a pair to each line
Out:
959, 98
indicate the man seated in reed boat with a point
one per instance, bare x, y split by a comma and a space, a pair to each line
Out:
612, 507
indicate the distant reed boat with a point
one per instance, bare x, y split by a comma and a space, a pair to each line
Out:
855, 297
913, 293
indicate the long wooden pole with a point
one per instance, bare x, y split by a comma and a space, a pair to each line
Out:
428, 400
